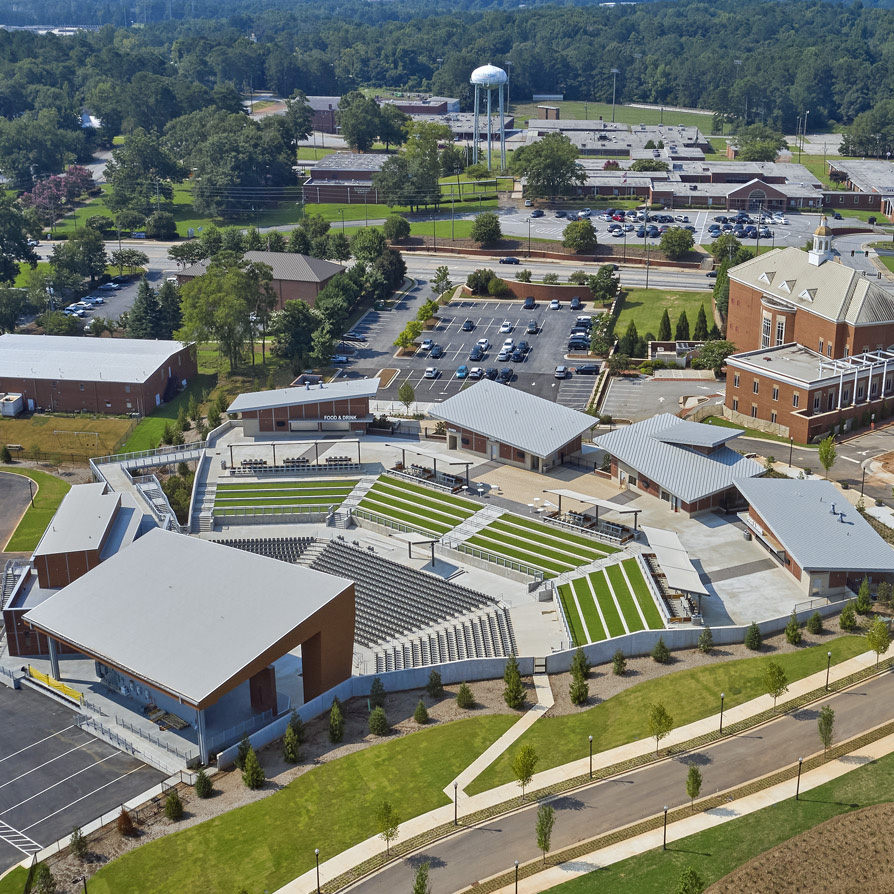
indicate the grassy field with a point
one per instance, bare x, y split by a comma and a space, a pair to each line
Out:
645, 307
232, 499
623, 114
50, 491
49, 433
716, 852
14, 882
689, 695
268, 843
755, 433
417, 507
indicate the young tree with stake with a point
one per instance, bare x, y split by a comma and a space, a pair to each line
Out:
546, 819
523, 766
693, 783
660, 723
826, 726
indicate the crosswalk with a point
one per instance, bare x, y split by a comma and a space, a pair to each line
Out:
18, 840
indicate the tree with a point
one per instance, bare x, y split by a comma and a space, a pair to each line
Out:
700, 333
705, 641
253, 774
580, 236
55, 322
604, 286
550, 166
664, 327
377, 693
693, 783
579, 691
793, 632
297, 725
368, 244
420, 715
464, 697
427, 311
393, 125
681, 332
523, 765
406, 394
173, 806
648, 164
580, 667
396, 228
5, 455
161, 225
124, 824
878, 638
660, 723
714, 354
290, 749
242, 752
299, 117
676, 243
421, 884
203, 784
13, 303
864, 597
78, 844
827, 453
725, 247
486, 228
388, 824
619, 663
292, 329
378, 722
144, 320
513, 691
44, 882
775, 681
815, 623
130, 258
826, 726
661, 653
848, 619
441, 283
629, 341
434, 687
336, 721
546, 819
690, 882
141, 173
618, 363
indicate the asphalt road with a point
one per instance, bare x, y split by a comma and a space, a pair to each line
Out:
14, 496
477, 853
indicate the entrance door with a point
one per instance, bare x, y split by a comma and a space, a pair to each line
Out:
494, 451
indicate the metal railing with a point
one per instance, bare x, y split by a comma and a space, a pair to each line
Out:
312, 512
407, 476
494, 559
293, 471
390, 522
185, 756
167, 453
595, 533
240, 729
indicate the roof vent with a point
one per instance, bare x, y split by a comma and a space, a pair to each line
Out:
832, 510
841, 517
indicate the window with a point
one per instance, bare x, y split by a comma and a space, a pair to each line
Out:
796, 399
81, 386
816, 402
847, 351
127, 389
846, 396
754, 411
755, 387
856, 200
873, 391
887, 385
861, 391
129, 405
280, 423
821, 346
736, 380
780, 332
765, 332
775, 392
773, 417
108, 405
829, 349
735, 404
830, 401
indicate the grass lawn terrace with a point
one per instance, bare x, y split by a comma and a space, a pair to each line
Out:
646, 306
50, 491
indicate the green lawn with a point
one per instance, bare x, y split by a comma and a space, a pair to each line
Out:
716, 852
623, 114
572, 616
288, 485
494, 547
755, 433
624, 598
590, 546
608, 605
689, 695
414, 503
536, 551
467, 507
49, 493
888, 261
266, 844
588, 608
645, 307
147, 435
14, 882
417, 523
643, 594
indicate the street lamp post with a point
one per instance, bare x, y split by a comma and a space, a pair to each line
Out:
83, 881
863, 481
615, 72
434, 233
591, 757
722, 696
791, 447
798, 786
455, 803
528, 219
341, 211
516, 877
828, 668
317, 855
664, 843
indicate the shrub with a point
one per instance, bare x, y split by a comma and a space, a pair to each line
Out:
497, 287
580, 667
253, 774
78, 843
579, 691
173, 806
161, 225
523, 275
706, 641
848, 619
5, 455
125, 825
396, 228
579, 277
336, 722
377, 693
883, 593
619, 664
551, 278
378, 722
213, 417
815, 623
297, 724
661, 653
864, 598
464, 697
420, 715
290, 750
203, 785
753, 637
242, 753
793, 630
513, 691
44, 880
434, 687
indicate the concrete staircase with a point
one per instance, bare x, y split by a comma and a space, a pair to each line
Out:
361, 489
472, 525
203, 510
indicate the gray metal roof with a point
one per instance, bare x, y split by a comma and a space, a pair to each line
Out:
512, 416
83, 359
349, 161
799, 515
286, 265
830, 290
171, 610
679, 469
681, 574
696, 435
341, 389
80, 522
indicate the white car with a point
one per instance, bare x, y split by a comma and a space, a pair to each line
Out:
110, 287
529, 203
484, 344
430, 373
554, 304
73, 312
94, 299
509, 343
340, 359
561, 372
427, 345
476, 372
506, 326
781, 220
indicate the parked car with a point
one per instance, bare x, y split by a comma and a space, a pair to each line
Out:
506, 326
491, 372
476, 372
555, 304
584, 321
509, 261
476, 353
340, 359
560, 213
587, 369
530, 303
536, 213
524, 347
711, 274
575, 303
579, 332
837, 216
110, 287
436, 352
504, 355
431, 372
468, 326
517, 356
427, 345
532, 327
504, 376
95, 299
484, 344
462, 372
578, 344
509, 343
561, 372
354, 336
529, 203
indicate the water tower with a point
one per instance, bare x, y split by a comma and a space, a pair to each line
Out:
489, 78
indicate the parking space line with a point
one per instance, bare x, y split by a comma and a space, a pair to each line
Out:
19, 841
38, 742
83, 797
47, 763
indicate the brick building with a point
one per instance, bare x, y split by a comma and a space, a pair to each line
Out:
94, 375
325, 109
294, 275
815, 534
344, 177
869, 184
331, 406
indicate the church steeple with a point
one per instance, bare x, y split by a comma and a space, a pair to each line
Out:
822, 245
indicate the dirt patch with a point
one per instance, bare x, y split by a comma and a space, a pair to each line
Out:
848, 854
886, 461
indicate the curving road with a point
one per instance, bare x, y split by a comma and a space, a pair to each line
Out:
478, 853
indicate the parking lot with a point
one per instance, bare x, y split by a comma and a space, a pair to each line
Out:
536, 373
54, 775
639, 397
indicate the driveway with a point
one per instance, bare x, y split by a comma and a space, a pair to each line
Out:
15, 494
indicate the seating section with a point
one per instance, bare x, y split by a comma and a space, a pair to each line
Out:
414, 617
415, 506
543, 547
609, 602
286, 549
280, 497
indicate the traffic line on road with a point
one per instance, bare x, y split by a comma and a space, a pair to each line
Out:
18, 840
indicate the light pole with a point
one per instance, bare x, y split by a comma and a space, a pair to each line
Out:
516, 877
317, 855
455, 803
828, 668
434, 233
664, 843
83, 881
508, 64
722, 696
791, 447
591, 757
528, 219
798, 786
615, 72
341, 211
646, 244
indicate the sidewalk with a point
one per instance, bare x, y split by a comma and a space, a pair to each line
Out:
509, 792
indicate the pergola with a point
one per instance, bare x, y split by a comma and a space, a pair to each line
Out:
675, 563
433, 455
605, 505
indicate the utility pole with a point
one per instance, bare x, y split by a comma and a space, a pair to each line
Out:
615, 72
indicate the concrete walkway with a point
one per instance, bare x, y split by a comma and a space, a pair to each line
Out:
509, 792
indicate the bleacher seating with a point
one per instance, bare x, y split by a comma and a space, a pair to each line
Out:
286, 549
